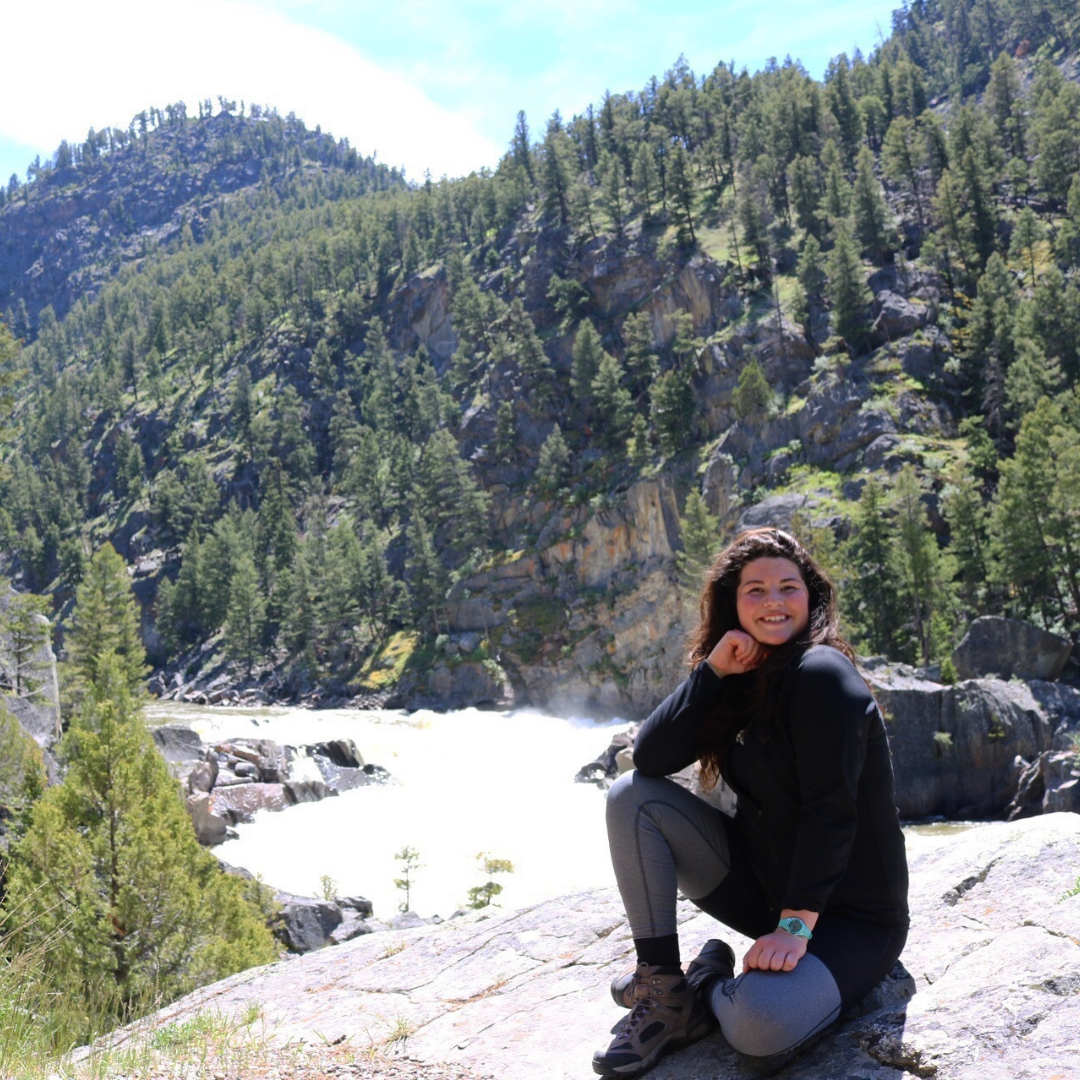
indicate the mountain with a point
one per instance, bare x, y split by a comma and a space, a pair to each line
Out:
474, 440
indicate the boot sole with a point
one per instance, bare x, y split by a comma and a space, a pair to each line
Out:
673, 1042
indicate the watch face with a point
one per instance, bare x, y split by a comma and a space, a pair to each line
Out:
795, 926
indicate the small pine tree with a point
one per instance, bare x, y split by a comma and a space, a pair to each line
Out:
752, 392
551, 469
871, 213
245, 621
105, 625
673, 410
482, 896
110, 882
408, 858
848, 294
613, 403
638, 448
701, 540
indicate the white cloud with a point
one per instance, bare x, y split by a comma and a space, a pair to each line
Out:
79, 64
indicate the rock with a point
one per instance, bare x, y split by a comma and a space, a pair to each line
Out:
241, 802
774, 510
993, 991
896, 318
306, 923
954, 747
1048, 784
209, 827
351, 925
1009, 648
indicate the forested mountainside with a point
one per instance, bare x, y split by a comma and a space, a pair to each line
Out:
471, 436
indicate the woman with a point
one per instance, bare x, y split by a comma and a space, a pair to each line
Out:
811, 867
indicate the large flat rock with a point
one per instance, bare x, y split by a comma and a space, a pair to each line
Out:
993, 956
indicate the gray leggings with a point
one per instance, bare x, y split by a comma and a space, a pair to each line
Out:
664, 839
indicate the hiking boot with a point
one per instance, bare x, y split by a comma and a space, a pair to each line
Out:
716, 961
666, 1014
622, 988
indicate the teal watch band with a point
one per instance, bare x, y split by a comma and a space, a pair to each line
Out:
796, 927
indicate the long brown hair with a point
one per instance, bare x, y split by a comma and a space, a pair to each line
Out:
754, 699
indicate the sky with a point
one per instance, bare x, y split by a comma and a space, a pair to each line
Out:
423, 84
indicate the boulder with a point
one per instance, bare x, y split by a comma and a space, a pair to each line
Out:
240, 802
306, 923
1009, 648
177, 743
993, 991
1049, 783
210, 828
896, 318
954, 747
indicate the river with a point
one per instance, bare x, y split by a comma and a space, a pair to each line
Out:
465, 782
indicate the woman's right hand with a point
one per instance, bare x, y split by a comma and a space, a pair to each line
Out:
735, 653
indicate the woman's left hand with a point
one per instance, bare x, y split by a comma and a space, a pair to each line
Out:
778, 951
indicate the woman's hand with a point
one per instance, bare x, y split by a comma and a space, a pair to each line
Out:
735, 653
778, 951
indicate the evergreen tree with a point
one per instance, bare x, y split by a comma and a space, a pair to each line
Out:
585, 364
752, 392
923, 574
847, 292
638, 447
245, 619
552, 466
642, 363
105, 627
1035, 516
673, 410
871, 213
681, 187
613, 403
701, 541
871, 600
964, 513
110, 882
1027, 232
24, 631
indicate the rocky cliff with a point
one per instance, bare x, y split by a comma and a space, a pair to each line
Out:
988, 987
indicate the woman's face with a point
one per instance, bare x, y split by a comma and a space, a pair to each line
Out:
772, 601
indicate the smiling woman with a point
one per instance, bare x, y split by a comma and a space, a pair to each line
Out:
812, 866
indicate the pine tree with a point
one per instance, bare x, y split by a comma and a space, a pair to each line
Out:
964, 513
681, 187
847, 292
613, 403
871, 602
105, 626
673, 410
923, 573
1035, 516
871, 213
752, 392
585, 364
1027, 232
245, 619
24, 631
110, 882
641, 362
552, 466
701, 540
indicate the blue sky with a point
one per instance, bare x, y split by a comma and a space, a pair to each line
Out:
424, 84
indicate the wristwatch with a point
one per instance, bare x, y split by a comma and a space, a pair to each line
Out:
795, 926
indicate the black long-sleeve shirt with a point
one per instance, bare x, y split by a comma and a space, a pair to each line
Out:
815, 791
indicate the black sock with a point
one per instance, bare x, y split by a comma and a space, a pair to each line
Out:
659, 951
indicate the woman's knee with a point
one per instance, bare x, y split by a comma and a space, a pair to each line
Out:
632, 789
763, 1013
